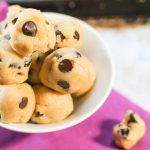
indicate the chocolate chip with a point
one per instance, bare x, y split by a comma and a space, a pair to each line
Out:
64, 84
14, 20
38, 114
55, 26
7, 36
29, 28
47, 22
65, 65
19, 73
5, 25
14, 65
76, 35
23, 102
132, 119
38, 59
30, 72
58, 33
78, 54
0, 60
58, 56
51, 51
124, 132
19, 67
27, 63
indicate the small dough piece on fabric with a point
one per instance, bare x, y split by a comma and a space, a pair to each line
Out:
131, 129
17, 103
13, 67
65, 70
31, 32
51, 106
68, 32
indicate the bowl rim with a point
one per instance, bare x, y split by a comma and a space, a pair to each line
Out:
90, 113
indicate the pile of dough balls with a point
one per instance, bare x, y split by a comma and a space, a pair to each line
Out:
41, 69
129, 131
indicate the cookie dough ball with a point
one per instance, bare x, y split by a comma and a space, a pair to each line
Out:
13, 67
68, 32
13, 11
31, 32
37, 61
51, 106
129, 131
17, 103
65, 70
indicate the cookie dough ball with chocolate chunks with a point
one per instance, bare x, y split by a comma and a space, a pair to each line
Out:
65, 70
17, 103
31, 32
12, 13
135, 122
37, 61
131, 129
51, 106
13, 67
68, 32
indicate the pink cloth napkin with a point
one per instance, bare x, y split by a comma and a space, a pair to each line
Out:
3, 10
95, 133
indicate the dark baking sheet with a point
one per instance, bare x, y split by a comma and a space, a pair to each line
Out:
86, 8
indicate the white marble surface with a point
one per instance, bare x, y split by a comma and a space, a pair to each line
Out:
130, 48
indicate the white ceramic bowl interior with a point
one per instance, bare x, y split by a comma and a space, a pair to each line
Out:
94, 48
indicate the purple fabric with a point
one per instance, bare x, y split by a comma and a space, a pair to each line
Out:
3, 10
95, 133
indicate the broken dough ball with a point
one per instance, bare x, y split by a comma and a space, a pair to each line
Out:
131, 129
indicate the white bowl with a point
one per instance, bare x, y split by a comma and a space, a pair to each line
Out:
94, 48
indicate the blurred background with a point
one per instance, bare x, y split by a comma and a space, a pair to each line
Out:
130, 10
86, 8
124, 25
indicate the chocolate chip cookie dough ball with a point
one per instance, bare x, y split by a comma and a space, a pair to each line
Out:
17, 103
68, 32
131, 129
51, 106
13, 11
65, 70
37, 61
13, 67
31, 32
